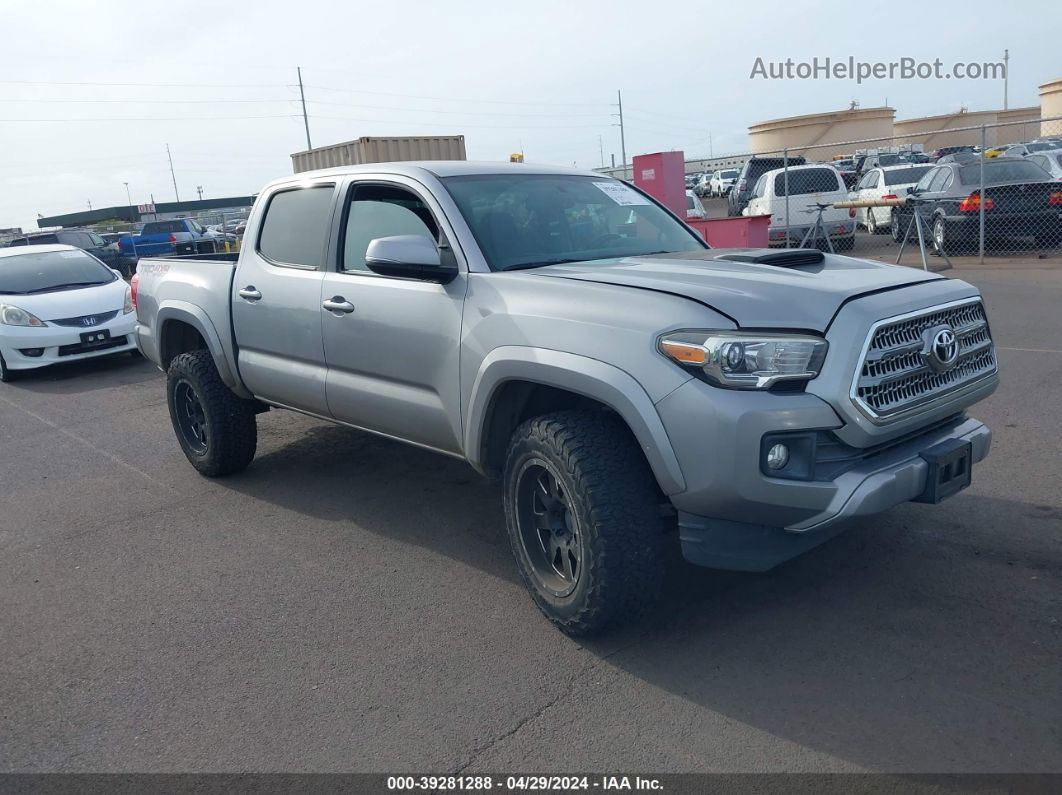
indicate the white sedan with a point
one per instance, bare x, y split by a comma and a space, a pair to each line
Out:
885, 182
60, 304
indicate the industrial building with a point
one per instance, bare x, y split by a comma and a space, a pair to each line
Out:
137, 213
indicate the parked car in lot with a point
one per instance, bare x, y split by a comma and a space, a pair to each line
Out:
1050, 161
177, 236
722, 182
1020, 200
936, 154
1021, 150
846, 168
563, 332
888, 182
83, 239
808, 185
879, 160
703, 186
694, 210
750, 172
59, 303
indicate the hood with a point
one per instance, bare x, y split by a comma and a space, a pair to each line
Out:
754, 294
72, 303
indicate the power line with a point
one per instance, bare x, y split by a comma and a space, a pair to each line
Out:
150, 101
462, 124
457, 99
155, 118
139, 85
455, 112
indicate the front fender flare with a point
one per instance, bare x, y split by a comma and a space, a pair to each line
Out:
194, 316
592, 378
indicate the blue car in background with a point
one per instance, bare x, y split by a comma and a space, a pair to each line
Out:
166, 238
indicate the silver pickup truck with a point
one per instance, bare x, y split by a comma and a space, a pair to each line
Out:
564, 333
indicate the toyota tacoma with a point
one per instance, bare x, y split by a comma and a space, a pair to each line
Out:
567, 335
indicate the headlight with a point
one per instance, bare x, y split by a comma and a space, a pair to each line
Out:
746, 360
13, 316
128, 307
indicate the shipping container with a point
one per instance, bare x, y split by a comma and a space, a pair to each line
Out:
368, 149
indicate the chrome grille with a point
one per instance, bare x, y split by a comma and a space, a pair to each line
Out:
896, 376
86, 321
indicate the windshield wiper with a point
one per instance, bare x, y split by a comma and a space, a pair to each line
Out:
63, 287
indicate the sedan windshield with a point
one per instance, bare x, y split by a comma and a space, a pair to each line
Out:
529, 220
47, 271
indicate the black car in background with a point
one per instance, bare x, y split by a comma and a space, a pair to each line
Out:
754, 168
84, 239
1021, 200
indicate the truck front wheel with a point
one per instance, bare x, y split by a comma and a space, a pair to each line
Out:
215, 428
582, 513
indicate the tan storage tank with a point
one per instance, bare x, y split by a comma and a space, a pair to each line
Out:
795, 133
368, 149
1051, 107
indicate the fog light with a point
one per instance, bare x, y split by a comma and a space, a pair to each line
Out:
777, 456
31, 351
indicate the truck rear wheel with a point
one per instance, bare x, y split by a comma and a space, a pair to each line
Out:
582, 513
216, 429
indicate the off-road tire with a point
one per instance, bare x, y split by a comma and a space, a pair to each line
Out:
613, 497
231, 431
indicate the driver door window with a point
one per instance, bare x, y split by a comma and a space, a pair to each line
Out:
382, 211
927, 178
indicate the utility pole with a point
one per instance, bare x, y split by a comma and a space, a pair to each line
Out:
305, 119
601, 146
174, 176
711, 152
199, 190
623, 139
128, 196
89, 202
1006, 76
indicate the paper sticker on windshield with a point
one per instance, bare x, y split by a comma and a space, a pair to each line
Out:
622, 194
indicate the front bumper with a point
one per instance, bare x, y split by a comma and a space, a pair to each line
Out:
63, 343
734, 516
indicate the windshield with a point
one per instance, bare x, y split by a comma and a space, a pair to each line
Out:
528, 220
730, 173
51, 270
997, 173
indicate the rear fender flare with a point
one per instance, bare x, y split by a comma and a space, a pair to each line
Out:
184, 312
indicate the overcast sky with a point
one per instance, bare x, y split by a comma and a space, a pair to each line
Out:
538, 75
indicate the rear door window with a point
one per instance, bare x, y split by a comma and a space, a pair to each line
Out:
296, 225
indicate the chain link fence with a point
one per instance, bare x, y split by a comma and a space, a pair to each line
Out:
977, 191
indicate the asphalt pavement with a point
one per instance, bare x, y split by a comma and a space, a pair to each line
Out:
350, 604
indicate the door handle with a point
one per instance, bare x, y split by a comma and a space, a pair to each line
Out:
338, 303
250, 293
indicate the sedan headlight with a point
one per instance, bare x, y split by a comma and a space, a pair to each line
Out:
13, 316
128, 307
746, 360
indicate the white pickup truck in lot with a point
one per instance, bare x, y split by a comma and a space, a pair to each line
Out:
564, 333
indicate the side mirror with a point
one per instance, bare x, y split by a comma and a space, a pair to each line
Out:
408, 257
912, 190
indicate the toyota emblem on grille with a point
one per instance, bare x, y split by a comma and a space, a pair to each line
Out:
943, 350
89, 320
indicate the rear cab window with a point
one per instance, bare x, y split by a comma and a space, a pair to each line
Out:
295, 228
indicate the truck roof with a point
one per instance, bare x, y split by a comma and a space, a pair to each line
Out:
438, 168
